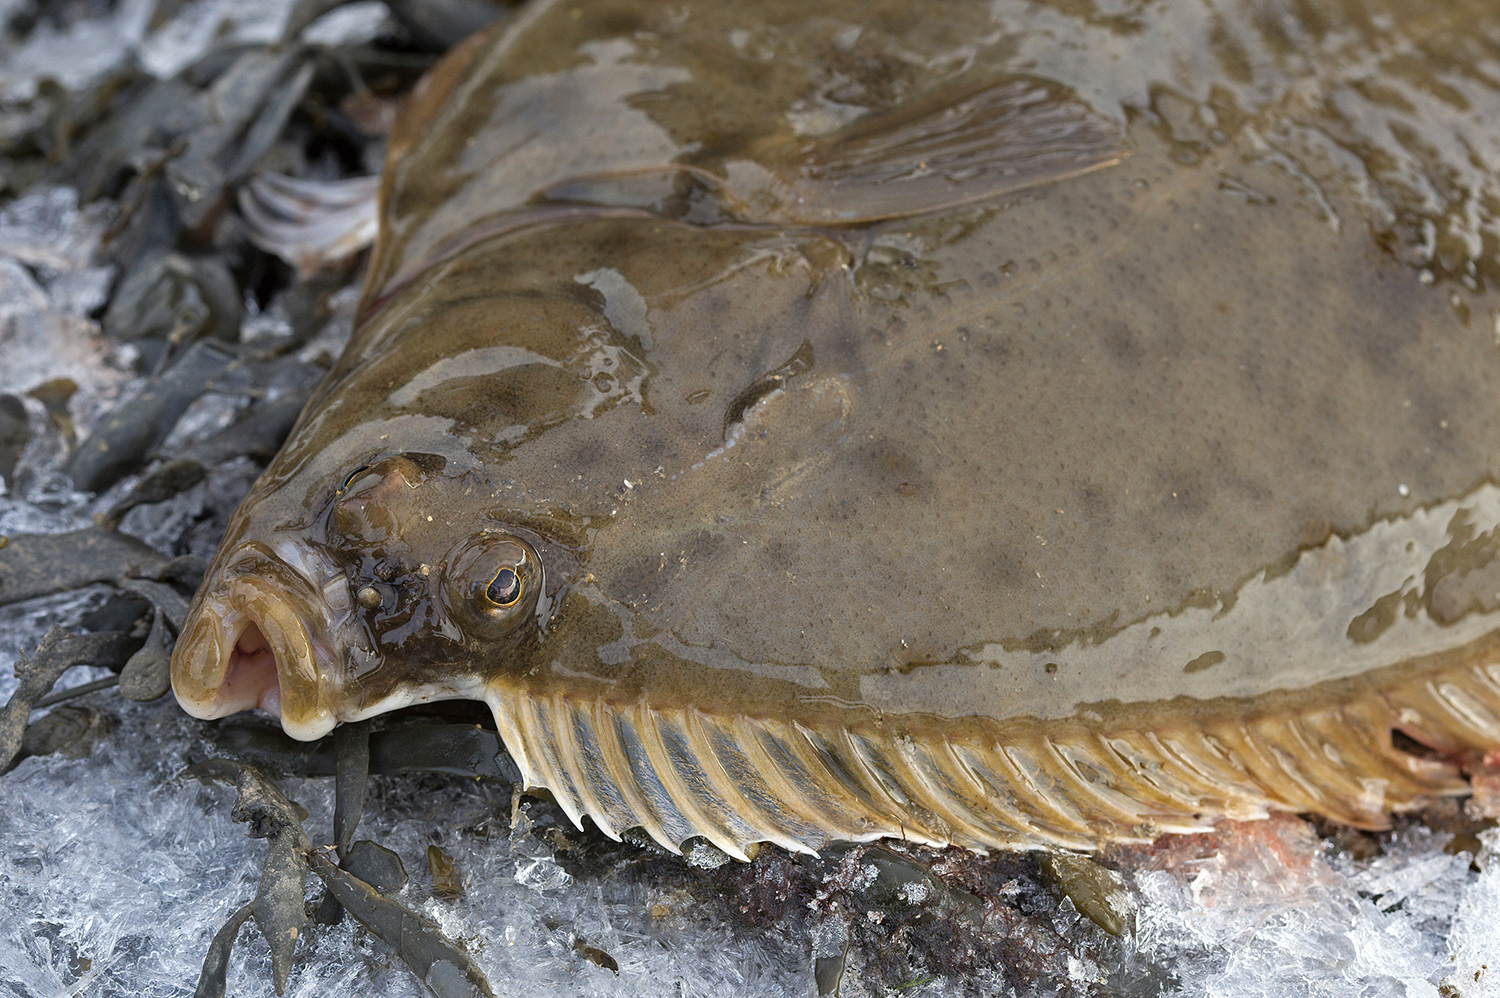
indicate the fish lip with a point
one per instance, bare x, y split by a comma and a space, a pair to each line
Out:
259, 605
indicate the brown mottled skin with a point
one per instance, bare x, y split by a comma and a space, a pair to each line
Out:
1149, 485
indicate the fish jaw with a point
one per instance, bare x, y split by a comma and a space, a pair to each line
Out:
262, 634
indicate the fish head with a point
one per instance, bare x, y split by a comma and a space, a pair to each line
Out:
388, 596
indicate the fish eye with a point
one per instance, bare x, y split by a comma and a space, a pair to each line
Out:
490, 582
349, 479
504, 589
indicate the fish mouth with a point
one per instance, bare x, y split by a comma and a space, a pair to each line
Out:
256, 640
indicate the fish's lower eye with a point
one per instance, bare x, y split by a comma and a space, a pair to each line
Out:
489, 583
505, 588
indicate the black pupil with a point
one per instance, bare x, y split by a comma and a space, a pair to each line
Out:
505, 587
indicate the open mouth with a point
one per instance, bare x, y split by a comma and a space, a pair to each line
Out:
251, 679
248, 645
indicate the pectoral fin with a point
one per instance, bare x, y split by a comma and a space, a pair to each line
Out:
945, 150
940, 152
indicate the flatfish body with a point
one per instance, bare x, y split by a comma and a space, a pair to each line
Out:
1003, 427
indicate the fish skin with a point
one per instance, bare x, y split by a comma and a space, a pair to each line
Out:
1138, 474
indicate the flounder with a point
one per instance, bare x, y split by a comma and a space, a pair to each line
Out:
1007, 426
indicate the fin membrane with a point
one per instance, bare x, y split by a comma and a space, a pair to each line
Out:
940, 152
310, 223
734, 780
946, 151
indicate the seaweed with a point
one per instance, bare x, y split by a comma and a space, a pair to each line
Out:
358, 884
58, 652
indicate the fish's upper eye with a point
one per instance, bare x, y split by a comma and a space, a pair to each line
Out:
505, 588
350, 478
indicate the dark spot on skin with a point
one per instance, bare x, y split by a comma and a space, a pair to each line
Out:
841, 510
1091, 500
1002, 567
641, 579
656, 450
1375, 621
638, 579
593, 452
1207, 660
611, 22
1460, 594
1124, 344
1183, 491
1384, 346
1046, 641
700, 547
428, 464
996, 347
527, 395
779, 553
893, 467
1463, 576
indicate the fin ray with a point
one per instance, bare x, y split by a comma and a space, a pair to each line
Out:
933, 154
736, 780
941, 152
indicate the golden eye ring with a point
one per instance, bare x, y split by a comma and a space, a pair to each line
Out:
489, 583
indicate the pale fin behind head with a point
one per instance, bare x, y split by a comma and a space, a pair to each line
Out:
946, 150
310, 223
735, 780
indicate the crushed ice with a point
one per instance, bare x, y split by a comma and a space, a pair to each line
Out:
1267, 912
